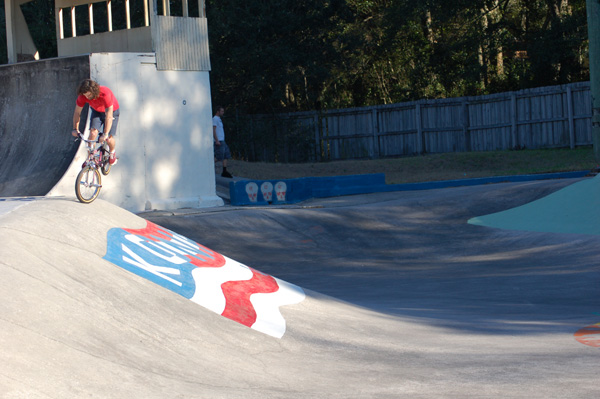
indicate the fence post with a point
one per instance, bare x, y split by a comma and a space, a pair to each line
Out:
375, 126
252, 142
466, 131
418, 122
317, 141
513, 120
571, 119
593, 12
324, 130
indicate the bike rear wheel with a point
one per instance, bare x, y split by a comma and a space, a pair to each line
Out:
88, 184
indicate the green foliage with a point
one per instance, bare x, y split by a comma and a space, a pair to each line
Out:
39, 15
294, 55
302, 55
277, 51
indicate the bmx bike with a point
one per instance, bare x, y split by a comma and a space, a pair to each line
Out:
89, 180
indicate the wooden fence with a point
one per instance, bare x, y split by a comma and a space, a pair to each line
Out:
546, 117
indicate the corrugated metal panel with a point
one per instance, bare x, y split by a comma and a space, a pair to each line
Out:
181, 44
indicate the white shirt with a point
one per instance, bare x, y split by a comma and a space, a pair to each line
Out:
219, 124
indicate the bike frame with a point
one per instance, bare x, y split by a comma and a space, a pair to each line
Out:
93, 147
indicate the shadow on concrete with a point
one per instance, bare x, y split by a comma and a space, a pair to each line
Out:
36, 103
404, 299
413, 254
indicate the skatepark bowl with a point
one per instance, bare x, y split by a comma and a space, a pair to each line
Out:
486, 291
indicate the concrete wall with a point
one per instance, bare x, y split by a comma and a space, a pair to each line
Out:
164, 138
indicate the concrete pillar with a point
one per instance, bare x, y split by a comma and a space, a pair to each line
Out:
10, 31
593, 18
18, 39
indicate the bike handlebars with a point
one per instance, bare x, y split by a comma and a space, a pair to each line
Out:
80, 137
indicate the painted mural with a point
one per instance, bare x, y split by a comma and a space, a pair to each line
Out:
204, 276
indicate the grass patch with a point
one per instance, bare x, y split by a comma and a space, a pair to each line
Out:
431, 167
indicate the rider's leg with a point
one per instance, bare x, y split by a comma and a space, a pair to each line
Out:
112, 142
96, 123
93, 135
111, 139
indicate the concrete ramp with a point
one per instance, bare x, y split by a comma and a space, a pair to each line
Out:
74, 324
435, 307
36, 102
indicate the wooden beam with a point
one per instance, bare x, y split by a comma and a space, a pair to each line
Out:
91, 16
11, 34
60, 26
73, 28
146, 16
74, 3
202, 8
109, 13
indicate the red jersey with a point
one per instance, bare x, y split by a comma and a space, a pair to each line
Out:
105, 100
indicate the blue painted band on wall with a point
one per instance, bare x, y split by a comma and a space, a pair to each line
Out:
290, 191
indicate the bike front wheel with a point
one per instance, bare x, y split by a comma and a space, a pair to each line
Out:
88, 184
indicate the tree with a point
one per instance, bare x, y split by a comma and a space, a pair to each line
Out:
271, 55
39, 15
291, 55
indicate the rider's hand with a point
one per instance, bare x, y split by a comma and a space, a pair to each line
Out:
101, 138
75, 133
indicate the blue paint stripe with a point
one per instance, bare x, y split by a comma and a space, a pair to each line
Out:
486, 180
302, 189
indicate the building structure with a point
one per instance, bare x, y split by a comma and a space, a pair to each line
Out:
158, 67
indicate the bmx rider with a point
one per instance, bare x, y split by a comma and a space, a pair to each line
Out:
104, 109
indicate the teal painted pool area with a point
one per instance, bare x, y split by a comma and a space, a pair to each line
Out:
574, 209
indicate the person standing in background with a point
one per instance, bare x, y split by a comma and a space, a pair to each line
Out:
221, 149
